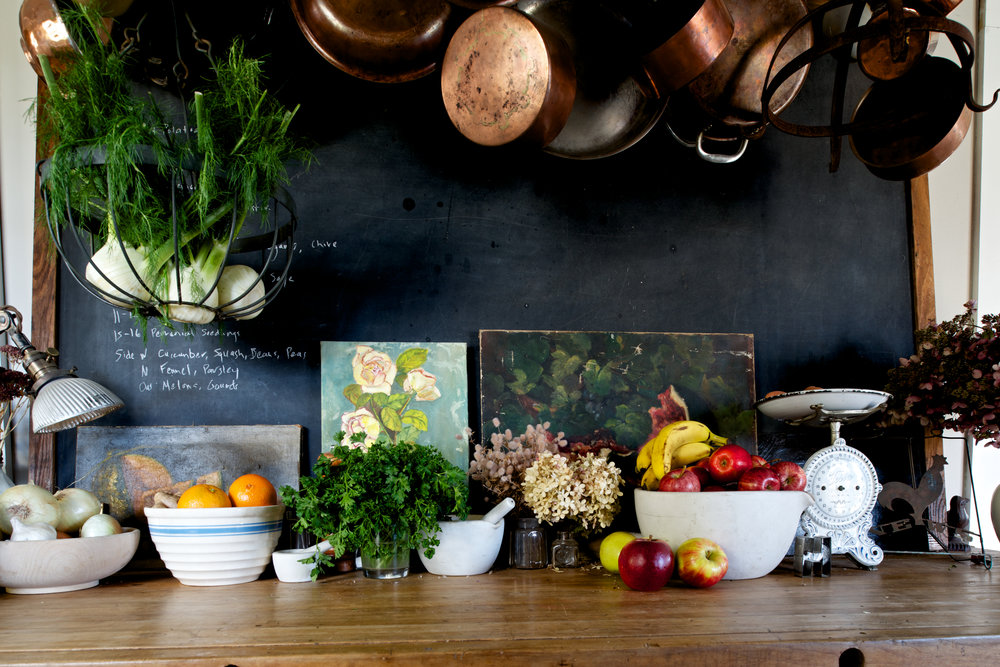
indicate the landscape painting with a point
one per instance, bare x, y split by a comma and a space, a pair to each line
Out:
617, 388
406, 392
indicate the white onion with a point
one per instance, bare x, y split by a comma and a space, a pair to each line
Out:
237, 279
30, 504
100, 525
119, 279
75, 507
31, 532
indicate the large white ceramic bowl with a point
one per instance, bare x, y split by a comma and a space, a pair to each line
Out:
57, 566
754, 528
467, 547
215, 546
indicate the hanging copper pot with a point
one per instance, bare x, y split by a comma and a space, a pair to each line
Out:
877, 56
387, 41
914, 123
506, 78
616, 103
692, 49
720, 110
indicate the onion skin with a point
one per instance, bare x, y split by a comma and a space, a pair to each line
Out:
29, 503
75, 507
100, 525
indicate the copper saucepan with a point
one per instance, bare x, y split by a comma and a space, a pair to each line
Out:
387, 41
918, 120
729, 91
506, 78
616, 103
690, 50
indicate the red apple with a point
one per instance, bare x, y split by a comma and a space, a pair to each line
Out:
756, 461
713, 487
680, 479
728, 463
646, 564
790, 474
759, 479
704, 477
701, 562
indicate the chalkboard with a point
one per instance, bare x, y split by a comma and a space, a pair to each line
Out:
407, 231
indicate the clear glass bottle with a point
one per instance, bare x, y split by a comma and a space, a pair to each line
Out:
527, 545
565, 550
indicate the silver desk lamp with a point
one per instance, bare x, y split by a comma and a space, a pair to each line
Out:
61, 399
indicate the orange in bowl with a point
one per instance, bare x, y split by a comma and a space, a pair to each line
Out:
252, 491
204, 495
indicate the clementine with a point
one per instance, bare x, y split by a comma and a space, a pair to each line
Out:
204, 495
252, 490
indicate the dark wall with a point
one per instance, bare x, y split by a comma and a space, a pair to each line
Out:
409, 232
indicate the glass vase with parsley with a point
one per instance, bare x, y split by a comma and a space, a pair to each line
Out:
377, 498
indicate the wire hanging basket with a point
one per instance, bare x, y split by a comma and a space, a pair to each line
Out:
263, 241
185, 220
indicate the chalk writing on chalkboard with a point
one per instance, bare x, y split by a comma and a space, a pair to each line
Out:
207, 358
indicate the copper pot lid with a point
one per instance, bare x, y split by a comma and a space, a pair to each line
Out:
386, 41
875, 57
730, 89
505, 78
914, 123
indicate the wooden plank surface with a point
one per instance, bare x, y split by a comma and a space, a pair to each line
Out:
912, 608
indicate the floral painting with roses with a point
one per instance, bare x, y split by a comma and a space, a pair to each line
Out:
408, 392
617, 389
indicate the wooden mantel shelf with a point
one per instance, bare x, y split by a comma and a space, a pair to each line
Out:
912, 609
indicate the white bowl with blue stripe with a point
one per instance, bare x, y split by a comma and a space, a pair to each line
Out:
215, 546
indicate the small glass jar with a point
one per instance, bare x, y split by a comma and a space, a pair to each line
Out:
527, 545
565, 550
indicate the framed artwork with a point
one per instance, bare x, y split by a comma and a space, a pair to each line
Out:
408, 392
620, 387
125, 466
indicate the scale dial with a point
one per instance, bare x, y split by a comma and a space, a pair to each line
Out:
845, 486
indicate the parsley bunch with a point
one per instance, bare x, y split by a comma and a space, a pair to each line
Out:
354, 495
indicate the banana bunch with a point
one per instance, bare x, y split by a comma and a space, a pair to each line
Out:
677, 444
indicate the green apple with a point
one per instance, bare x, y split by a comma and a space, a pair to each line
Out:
611, 546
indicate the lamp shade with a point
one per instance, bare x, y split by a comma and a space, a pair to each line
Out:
69, 401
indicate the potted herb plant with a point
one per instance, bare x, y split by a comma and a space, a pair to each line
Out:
382, 499
161, 185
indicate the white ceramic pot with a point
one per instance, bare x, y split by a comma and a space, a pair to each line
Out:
754, 528
467, 547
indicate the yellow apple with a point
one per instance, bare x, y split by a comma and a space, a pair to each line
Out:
611, 546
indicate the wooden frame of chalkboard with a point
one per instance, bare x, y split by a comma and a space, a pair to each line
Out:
525, 197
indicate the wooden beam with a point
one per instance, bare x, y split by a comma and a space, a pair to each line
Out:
44, 289
924, 309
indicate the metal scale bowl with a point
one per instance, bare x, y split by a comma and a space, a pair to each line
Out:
840, 478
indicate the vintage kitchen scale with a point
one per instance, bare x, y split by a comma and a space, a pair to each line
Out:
840, 478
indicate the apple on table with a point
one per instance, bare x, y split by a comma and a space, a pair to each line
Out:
611, 548
701, 562
646, 564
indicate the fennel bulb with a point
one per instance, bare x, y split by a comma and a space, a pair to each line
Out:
241, 292
191, 288
119, 284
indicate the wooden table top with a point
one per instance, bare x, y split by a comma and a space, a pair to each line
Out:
914, 607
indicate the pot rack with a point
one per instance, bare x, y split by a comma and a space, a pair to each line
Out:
900, 23
267, 231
